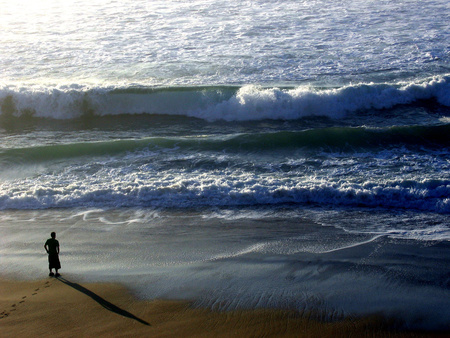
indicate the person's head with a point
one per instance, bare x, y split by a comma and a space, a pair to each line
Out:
53, 234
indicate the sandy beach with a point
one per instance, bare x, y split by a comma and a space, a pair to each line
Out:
65, 308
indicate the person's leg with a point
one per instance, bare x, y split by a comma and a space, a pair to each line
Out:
50, 265
57, 274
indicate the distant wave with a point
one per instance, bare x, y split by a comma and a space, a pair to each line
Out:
214, 103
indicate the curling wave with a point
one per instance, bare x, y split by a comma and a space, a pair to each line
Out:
213, 103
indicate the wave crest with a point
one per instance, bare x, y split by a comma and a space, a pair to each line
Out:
250, 102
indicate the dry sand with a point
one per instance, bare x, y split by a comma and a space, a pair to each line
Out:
65, 308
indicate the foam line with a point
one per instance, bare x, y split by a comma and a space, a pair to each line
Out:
351, 245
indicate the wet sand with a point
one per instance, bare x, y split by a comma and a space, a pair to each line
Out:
65, 308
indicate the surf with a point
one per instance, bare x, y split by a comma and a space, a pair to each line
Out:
218, 103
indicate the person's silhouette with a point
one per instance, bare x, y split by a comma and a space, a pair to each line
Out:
52, 248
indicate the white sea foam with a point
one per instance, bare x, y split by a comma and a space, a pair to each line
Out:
114, 188
255, 103
435, 233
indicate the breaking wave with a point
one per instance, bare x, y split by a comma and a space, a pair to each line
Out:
213, 103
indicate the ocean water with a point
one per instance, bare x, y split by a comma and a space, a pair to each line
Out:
286, 154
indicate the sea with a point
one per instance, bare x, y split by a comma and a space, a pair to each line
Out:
237, 154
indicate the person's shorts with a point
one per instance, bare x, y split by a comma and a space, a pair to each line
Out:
53, 262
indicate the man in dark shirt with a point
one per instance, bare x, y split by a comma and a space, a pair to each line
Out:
52, 248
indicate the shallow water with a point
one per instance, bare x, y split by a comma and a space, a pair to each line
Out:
234, 258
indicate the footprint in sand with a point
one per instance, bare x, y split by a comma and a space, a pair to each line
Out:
13, 306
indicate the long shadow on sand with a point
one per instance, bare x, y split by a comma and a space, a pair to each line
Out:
107, 305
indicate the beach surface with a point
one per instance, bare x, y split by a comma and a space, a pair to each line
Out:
184, 274
65, 308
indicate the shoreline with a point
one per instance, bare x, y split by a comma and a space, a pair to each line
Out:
66, 308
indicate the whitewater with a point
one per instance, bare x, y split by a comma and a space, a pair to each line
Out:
290, 154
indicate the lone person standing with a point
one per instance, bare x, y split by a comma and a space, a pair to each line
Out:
52, 248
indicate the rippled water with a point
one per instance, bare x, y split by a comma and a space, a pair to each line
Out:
222, 42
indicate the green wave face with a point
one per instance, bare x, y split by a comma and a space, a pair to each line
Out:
333, 139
